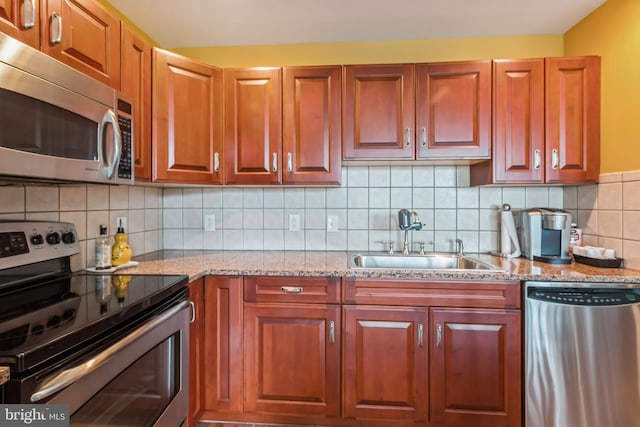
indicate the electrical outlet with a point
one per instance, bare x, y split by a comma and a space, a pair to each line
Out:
210, 222
332, 223
294, 222
121, 221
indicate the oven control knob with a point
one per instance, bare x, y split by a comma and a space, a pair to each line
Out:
37, 239
53, 238
68, 237
54, 321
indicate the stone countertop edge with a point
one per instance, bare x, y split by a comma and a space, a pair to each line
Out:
197, 264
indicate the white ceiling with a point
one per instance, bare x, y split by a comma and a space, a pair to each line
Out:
193, 23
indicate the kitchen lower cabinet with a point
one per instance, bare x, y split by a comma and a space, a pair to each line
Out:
292, 359
475, 367
385, 363
196, 352
222, 365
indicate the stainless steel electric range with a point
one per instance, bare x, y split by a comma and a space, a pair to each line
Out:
113, 347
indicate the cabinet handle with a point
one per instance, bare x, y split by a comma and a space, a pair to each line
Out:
289, 162
29, 14
536, 159
274, 161
332, 332
424, 136
555, 160
216, 162
438, 335
292, 289
420, 335
56, 28
193, 312
407, 137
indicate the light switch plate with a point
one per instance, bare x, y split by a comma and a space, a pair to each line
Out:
209, 222
332, 223
294, 222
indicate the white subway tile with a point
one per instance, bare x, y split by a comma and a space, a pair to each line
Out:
401, 176
172, 218
119, 197
171, 198
274, 219
468, 219
490, 197
294, 240
315, 219
173, 239
192, 219
232, 240
423, 197
315, 240
423, 176
337, 241
193, 239
73, 198
588, 197
212, 240
379, 219
401, 198
232, 219
536, 197
379, 197
445, 219
136, 199
294, 198
570, 197
315, 198
379, 176
445, 197
42, 199
462, 176
514, 196
212, 198
610, 196
468, 198
252, 198
337, 198
357, 219
610, 223
192, 198
253, 240
12, 199
358, 198
358, 240
274, 240
358, 176
135, 221
232, 198
445, 176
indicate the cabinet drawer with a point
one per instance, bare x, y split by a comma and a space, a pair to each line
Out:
292, 289
449, 293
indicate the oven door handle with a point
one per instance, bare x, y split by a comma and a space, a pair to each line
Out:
57, 382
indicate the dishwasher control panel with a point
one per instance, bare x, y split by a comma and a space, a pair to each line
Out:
587, 297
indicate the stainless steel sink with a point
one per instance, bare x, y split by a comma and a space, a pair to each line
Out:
431, 261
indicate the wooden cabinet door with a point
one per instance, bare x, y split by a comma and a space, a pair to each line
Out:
20, 19
475, 367
187, 118
518, 117
378, 112
453, 110
292, 359
196, 352
83, 35
385, 363
222, 354
572, 111
136, 82
312, 125
253, 126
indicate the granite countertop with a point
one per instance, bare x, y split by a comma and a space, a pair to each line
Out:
197, 264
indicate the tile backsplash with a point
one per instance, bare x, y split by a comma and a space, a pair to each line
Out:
365, 208
609, 214
88, 206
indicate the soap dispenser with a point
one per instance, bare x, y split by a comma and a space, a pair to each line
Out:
121, 252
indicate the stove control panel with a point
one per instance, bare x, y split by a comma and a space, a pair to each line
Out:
26, 242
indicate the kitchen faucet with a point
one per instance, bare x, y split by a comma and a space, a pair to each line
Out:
408, 221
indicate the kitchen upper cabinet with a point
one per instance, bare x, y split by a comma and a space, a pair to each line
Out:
453, 110
136, 82
196, 352
187, 120
572, 119
312, 125
20, 19
378, 112
83, 35
475, 367
253, 126
222, 357
518, 124
385, 363
546, 122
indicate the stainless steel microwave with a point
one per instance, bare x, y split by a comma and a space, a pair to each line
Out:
59, 124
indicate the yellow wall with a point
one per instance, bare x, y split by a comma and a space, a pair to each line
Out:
613, 32
379, 52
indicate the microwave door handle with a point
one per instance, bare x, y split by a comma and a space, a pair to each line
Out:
57, 382
110, 168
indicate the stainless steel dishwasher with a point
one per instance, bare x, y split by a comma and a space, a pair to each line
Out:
582, 354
